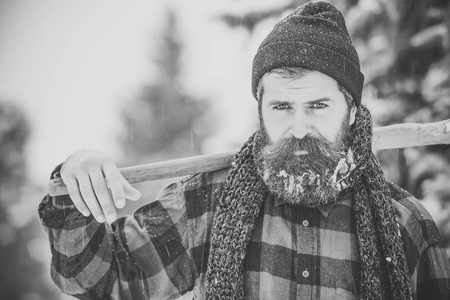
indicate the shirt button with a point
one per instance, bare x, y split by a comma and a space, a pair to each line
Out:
305, 274
305, 223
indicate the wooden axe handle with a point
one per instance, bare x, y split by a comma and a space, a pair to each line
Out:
388, 137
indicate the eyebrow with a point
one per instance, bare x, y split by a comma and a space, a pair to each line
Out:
323, 99
277, 102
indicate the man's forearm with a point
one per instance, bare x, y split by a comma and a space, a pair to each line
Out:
82, 249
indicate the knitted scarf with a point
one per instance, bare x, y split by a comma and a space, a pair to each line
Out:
384, 272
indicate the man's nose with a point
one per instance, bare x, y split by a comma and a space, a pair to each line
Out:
300, 126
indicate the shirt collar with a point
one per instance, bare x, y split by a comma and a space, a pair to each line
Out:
325, 209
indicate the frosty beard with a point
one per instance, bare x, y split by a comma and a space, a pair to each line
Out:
312, 179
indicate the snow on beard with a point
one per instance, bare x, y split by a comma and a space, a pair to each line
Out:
308, 171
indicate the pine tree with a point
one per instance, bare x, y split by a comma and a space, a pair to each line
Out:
164, 121
23, 275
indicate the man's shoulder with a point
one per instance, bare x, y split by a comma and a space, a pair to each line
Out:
414, 219
195, 183
406, 204
205, 179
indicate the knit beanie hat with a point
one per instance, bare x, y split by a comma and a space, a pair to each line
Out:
315, 37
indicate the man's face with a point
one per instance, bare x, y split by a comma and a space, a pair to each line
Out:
312, 104
306, 126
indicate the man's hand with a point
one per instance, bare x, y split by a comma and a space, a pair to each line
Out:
95, 185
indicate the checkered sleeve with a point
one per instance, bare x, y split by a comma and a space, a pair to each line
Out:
427, 259
433, 274
143, 256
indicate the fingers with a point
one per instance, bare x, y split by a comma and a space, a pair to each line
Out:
95, 185
89, 197
75, 195
120, 188
104, 200
115, 182
130, 192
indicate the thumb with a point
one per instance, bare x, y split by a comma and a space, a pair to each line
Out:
130, 192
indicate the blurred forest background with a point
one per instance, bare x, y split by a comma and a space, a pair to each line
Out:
404, 51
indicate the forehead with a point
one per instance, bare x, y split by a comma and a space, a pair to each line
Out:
310, 85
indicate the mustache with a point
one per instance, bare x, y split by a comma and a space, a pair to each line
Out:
320, 157
312, 147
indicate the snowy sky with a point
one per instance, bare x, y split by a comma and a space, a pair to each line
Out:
72, 64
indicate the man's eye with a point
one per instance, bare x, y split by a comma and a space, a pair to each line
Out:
318, 105
282, 106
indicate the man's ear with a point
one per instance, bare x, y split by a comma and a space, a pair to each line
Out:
352, 117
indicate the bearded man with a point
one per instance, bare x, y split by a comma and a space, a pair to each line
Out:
303, 213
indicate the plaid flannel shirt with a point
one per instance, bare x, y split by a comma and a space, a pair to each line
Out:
161, 251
